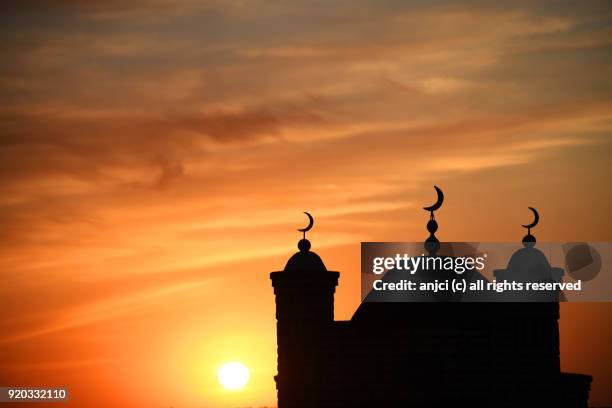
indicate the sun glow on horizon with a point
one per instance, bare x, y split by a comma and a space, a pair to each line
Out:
233, 375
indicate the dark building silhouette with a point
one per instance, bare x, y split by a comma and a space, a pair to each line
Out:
417, 354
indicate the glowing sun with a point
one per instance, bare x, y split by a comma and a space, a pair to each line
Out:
233, 376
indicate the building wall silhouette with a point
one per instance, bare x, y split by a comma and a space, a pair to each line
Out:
407, 354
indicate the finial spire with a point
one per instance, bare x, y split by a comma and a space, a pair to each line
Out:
304, 244
530, 240
432, 244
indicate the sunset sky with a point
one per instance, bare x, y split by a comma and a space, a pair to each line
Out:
156, 157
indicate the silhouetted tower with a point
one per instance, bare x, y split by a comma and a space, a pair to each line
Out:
528, 327
304, 312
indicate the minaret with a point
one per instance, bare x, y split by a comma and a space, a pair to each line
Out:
305, 313
527, 332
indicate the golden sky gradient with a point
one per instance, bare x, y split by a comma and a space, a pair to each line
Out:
155, 160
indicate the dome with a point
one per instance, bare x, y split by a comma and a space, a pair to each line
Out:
530, 263
419, 308
305, 260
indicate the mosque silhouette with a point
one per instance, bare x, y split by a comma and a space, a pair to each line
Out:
418, 354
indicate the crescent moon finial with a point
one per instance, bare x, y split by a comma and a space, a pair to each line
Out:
432, 244
309, 226
438, 202
529, 240
304, 244
536, 219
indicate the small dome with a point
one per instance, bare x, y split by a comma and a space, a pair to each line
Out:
305, 260
531, 263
